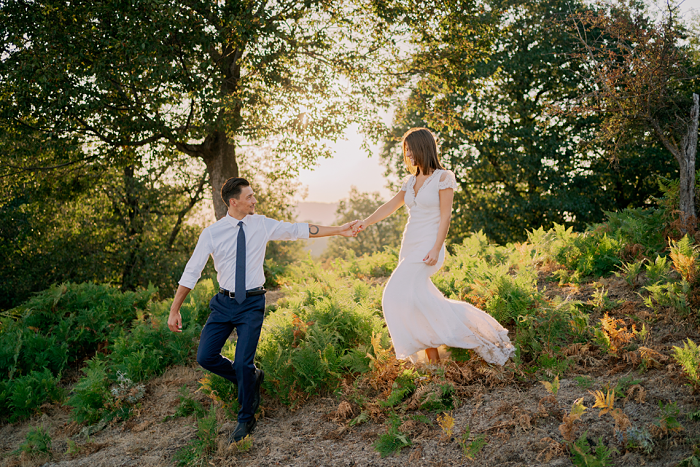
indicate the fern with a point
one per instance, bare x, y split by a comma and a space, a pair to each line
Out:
393, 440
582, 456
688, 357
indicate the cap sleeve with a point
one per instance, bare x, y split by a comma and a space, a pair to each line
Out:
447, 180
406, 183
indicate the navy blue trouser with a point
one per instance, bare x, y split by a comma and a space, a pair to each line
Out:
247, 318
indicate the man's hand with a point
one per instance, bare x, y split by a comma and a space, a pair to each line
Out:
348, 229
175, 321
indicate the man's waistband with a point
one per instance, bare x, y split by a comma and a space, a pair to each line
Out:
248, 293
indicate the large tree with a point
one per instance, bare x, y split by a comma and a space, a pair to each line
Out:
198, 76
518, 165
646, 78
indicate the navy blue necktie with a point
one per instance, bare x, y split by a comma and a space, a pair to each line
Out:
240, 265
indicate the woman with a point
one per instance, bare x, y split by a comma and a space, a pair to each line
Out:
418, 316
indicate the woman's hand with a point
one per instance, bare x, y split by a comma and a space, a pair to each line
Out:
431, 258
360, 226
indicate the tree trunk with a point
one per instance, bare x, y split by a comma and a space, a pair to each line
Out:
688, 153
220, 157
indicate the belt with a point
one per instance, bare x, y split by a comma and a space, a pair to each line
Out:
248, 293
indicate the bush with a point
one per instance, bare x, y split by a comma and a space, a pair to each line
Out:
64, 324
37, 441
91, 394
322, 330
21, 397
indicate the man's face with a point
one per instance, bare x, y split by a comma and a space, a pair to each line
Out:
245, 204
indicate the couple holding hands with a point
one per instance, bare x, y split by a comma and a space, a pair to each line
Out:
418, 316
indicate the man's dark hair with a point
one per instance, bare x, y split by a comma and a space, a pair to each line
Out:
232, 188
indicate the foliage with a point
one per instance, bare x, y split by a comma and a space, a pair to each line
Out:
198, 451
323, 328
222, 391
638, 438
658, 271
175, 82
553, 387
64, 324
91, 394
519, 165
471, 449
393, 440
645, 79
379, 264
669, 295
72, 322
668, 418
37, 441
582, 456
685, 258
446, 423
187, 407
402, 387
21, 397
122, 227
359, 206
688, 357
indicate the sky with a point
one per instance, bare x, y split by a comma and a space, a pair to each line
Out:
332, 178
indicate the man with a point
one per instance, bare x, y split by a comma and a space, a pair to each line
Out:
237, 244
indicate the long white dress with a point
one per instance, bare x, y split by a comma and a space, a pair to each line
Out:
417, 314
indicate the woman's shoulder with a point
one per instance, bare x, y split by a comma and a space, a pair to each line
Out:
447, 179
445, 174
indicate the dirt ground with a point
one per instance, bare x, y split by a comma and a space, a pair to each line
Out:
519, 419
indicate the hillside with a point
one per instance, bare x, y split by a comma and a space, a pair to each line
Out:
604, 373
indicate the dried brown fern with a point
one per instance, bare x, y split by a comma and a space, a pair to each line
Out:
617, 336
568, 428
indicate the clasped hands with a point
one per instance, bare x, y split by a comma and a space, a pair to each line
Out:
351, 229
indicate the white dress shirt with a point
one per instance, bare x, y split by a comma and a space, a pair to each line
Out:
220, 239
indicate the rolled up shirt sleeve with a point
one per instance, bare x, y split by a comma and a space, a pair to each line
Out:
198, 260
278, 230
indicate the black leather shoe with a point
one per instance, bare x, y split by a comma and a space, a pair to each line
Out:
259, 377
242, 430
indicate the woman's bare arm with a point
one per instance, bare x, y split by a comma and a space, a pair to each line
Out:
384, 211
446, 198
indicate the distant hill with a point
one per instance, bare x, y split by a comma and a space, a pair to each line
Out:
317, 213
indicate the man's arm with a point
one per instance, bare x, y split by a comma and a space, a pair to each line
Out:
175, 319
346, 230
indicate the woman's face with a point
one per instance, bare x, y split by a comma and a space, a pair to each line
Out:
409, 155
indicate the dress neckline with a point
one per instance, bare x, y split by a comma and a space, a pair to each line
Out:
415, 179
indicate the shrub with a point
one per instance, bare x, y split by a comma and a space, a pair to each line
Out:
591, 254
37, 441
322, 330
91, 393
658, 271
21, 397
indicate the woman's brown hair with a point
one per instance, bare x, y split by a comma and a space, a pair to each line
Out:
423, 148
